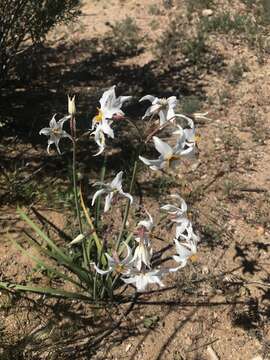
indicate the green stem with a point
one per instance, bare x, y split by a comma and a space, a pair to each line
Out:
75, 182
74, 176
128, 205
102, 176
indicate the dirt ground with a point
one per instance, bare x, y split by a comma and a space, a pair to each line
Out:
220, 305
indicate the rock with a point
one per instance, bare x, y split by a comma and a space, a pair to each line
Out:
207, 12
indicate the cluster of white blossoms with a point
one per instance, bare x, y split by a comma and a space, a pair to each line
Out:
137, 266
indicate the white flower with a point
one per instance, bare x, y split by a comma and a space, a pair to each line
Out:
142, 279
55, 132
176, 211
110, 105
71, 105
147, 224
187, 136
185, 251
187, 248
163, 107
177, 214
168, 156
186, 142
112, 188
143, 251
115, 264
185, 230
101, 129
142, 255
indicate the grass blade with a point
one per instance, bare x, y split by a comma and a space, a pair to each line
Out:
43, 290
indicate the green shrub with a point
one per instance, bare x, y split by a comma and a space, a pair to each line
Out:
25, 23
123, 37
225, 22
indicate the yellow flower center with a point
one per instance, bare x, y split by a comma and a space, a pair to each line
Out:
171, 158
99, 116
56, 131
193, 258
163, 102
119, 268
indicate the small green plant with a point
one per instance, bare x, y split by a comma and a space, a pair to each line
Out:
177, 44
225, 22
231, 141
154, 9
262, 12
195, 48
123, 38
190, 104
154, 24
195, 5
224, 96
236, 71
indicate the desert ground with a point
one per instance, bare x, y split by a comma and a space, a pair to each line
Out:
212, 55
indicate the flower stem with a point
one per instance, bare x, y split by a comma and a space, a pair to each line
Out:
102, 176
75, 182
128, 204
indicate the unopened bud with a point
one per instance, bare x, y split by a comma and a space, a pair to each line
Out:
71, 105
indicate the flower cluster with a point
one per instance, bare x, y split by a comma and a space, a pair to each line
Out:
138, 267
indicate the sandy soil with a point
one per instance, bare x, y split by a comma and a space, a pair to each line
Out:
221, 305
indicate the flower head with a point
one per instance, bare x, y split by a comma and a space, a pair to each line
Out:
187, 139
112, 188
99, 133
142, 279
110, 105
142, 255
147, 225
185, 251
169, 157
163, 107
143, 251
71, 105
115, 264
56, 132
177, 213
187, 248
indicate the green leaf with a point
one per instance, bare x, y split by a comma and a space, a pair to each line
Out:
44, 290
56, 253
44, 265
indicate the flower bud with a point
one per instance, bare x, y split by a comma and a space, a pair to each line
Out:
71, 105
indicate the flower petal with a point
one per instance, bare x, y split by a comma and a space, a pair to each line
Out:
148, 97
108, 201
172, 101
162, 147
154, 164
108, 98
45, 131
130, 197
162, 117
53, 123
101, 272
97, 193
117, 181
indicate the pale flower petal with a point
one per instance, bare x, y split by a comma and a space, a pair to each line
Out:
117, 181
163, 148
108, 201
97, 194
